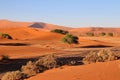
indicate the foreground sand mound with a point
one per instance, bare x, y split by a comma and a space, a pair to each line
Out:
98, 71
23, 33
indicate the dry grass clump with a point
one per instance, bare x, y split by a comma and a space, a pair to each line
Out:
30, 69
48, 61
13, 75
100, 56
44, 63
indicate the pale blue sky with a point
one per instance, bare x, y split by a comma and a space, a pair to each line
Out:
73, 13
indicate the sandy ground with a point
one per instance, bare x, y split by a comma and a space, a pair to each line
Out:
32, 42
97, 71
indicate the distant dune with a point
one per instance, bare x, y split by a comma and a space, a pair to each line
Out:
41, 25
95, 29
11, 24
78, 31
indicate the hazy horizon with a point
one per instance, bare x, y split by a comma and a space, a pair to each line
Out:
87, 13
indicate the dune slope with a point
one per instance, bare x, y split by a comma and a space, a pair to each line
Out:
23, 33
97, 71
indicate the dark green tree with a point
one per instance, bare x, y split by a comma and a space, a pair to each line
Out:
70, 39
60, 31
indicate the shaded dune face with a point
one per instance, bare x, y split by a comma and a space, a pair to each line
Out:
38, 25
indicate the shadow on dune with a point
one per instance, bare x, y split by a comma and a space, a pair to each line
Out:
68, 60
95, 46
13, 64
38, 25
14, 44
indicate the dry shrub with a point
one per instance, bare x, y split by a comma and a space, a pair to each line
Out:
48, 61
107, 55
13, 75
100, 56
90, 58
30, 69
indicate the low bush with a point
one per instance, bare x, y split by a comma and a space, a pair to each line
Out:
13, 75
70, 39
100, 56
60, 31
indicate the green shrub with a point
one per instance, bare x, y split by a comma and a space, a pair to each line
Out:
110, 34
13, 75
90, 34
30, 69
70, 39
60, 31
6, 36
100, 56
102, 34
4, 57
48, 61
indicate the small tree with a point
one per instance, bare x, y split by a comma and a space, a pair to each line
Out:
70, 39
60, 31
4, 35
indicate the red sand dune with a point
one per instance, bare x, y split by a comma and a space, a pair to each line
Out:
41, 25
97, 71
11, 24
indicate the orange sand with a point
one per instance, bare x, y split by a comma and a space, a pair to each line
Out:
98, 71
